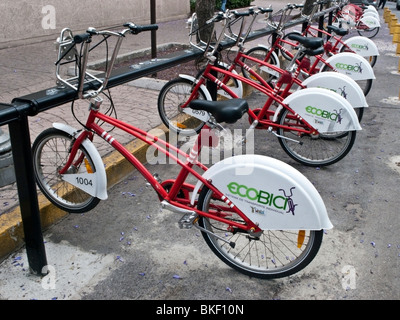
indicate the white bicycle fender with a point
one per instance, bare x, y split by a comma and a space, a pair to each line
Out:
371, 14
270, 192
371, 9
238, 91
341, 84
201, 116
370, 22
325, 110
363, 46
352, 65
94, 184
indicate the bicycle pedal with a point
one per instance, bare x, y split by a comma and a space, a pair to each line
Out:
186, 222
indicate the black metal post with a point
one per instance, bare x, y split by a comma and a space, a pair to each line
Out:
153, 20
21, 149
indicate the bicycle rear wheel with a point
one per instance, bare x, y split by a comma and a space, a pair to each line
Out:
364, 31
273, 254
172, 96
50, 152
313, 150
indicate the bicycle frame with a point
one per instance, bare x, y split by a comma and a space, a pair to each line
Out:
187, 167
273, 96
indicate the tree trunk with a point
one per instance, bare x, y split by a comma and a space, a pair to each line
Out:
308, 6
205, 10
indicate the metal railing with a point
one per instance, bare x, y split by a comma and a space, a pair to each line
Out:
16, 114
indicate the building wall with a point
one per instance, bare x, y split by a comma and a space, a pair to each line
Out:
24, 21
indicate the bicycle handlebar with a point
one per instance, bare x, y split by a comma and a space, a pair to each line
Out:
79, 38
135, 29
85, 39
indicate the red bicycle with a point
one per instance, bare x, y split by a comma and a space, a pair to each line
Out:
334, 42
300, 135
364, 19
257, 214
355, 66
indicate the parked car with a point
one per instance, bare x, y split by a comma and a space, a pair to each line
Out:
398, 5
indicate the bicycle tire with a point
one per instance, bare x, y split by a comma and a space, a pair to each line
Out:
369, 33
50, 152
259, 53
233, 83
370, 59
310, 150
290, 48
274, 254
172, 96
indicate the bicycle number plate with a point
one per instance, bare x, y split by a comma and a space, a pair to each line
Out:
83, 181
199, 114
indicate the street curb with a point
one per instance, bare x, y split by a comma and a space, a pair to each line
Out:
117, 168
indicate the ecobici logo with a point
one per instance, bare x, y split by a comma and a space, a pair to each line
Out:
359, 46
263, 197
349, 67
333, 116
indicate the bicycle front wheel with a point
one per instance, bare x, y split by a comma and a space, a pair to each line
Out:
272, 254
172, 96
290, 47
259, 53
313, 150
50, 152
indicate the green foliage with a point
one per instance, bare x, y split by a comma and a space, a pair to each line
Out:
234, 4
192, 5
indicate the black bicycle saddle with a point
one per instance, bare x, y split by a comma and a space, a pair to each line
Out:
338, 31
309, 43
228, 111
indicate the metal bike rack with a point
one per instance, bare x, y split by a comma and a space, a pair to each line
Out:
16, 114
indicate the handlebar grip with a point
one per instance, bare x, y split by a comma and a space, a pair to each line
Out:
265, 10
241, 14
79, 38
217, 18
135, 29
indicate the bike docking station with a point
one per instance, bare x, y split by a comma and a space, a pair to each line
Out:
25, 224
